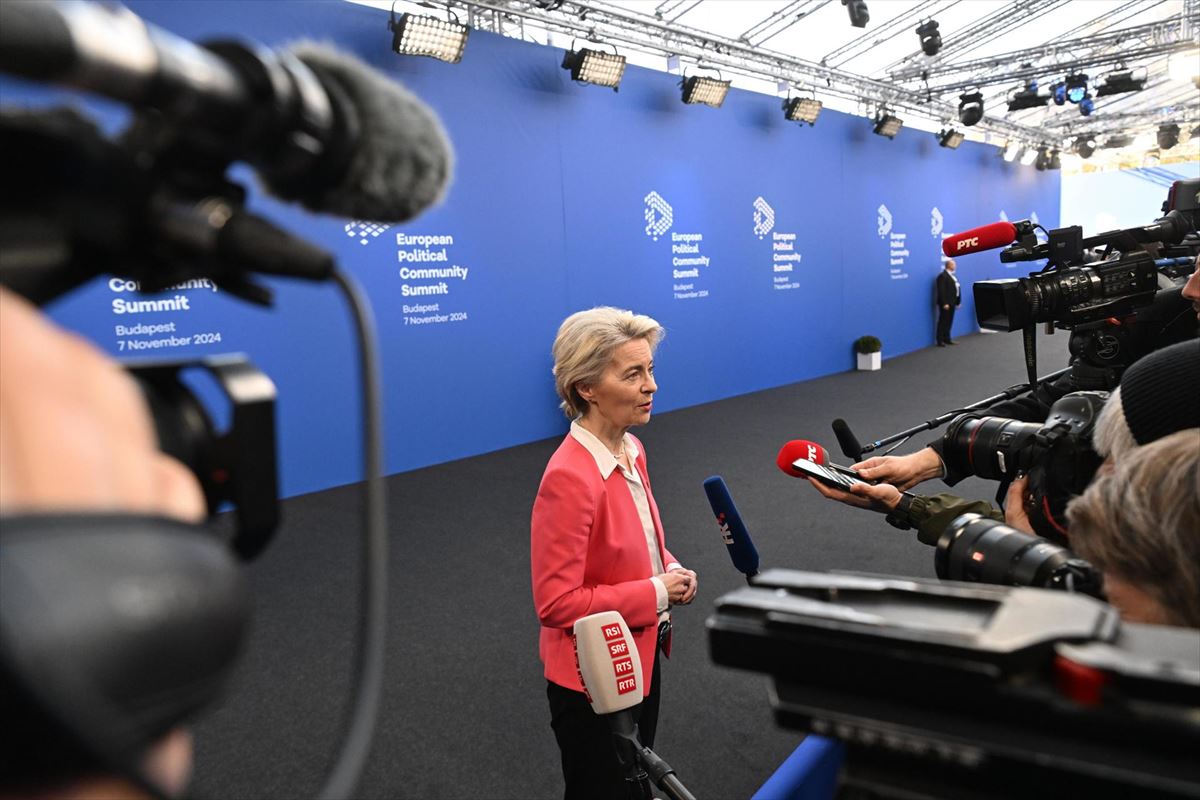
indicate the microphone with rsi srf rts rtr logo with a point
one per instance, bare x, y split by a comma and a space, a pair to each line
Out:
737, 539
611, 671
986, 237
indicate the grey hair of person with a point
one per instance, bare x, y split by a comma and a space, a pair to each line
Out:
1140, 521
1111, 438
585, 345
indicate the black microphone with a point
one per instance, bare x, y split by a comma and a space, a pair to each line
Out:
733, 531
847, 440
321, 127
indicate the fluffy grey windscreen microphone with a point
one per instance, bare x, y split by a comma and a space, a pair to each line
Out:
402, 161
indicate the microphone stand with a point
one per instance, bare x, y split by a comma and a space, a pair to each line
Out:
642, 765
938, 421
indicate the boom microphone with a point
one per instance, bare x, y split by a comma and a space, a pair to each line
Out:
847, 440
987, 237
321, 127
741, 548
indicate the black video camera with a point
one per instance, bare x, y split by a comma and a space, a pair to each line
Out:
1057, 455
1068, 293
963, 690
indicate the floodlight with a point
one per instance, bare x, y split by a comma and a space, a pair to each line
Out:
595, 66
1011, 150
1055, 161
1028, 97
1077, 87
1087, 105
1084, 147
970, 108
858, 12
1042, 159
1130, 80
931, 40
1029, 156
888, 124
802, 109
950, 138
702, 89
418, 35
1168, 136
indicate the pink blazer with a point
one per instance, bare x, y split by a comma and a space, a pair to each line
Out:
588, 554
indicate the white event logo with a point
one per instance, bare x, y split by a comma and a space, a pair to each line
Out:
764, 217
936, 223
364, 230
884, 220
658, 215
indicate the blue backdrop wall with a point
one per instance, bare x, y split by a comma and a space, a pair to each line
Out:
763, 247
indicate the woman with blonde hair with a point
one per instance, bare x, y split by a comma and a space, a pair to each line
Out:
596, 539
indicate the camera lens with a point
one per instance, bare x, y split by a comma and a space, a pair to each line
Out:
990, 447
981, 550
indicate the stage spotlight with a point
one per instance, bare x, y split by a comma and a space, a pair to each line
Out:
1059, 92
1042, 159
1168, 136
888, 125
858, 12
595, 66
1011, 151
708, 91
970, 108
1084, 147
1055, 161
417, 35
1087, 106
1130, 80
1028, 97
931, 40
1077, 87
1029, 156
802, 109
950, 138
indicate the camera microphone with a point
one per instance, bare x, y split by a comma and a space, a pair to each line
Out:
986, 237
321, 127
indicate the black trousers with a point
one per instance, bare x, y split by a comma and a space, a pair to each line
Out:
945, 320
589, 759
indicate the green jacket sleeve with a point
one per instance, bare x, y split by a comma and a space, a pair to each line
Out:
932, 514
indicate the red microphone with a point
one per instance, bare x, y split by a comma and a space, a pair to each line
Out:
800, 449
997, 234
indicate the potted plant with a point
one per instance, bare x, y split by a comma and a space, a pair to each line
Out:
869, 350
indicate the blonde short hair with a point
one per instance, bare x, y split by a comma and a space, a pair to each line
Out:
1140, 520
585, 345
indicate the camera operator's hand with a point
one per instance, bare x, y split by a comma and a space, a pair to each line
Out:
1014, 505
901, 472
882, 497
75, 433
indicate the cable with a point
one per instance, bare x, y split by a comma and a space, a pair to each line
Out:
368, 672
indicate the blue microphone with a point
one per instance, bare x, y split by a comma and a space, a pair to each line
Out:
733, 530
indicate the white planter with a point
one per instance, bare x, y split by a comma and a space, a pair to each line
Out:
869, 361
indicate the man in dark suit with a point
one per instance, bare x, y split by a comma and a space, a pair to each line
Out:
949, 297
